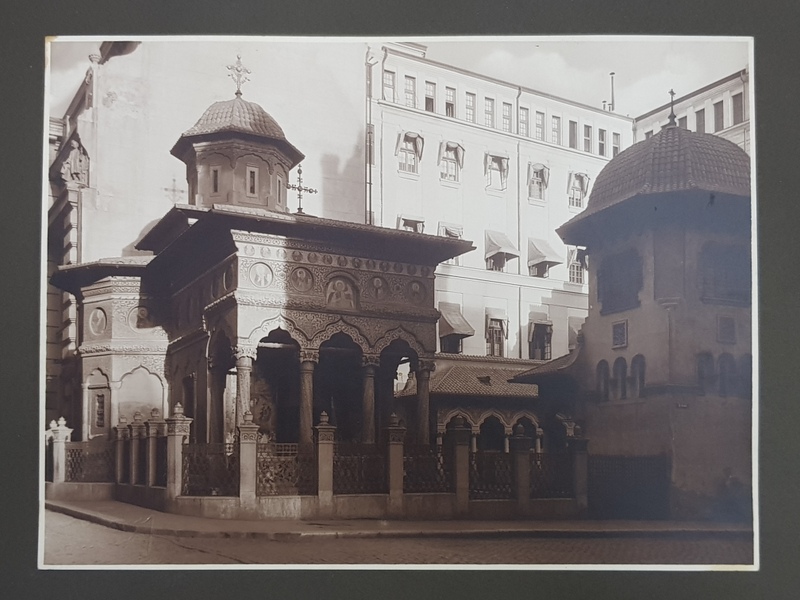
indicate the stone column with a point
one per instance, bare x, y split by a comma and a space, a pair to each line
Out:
368, 400
580, 473
506, 443
521, 457
178, 428
113, 405
248, 441
308, 360
473, 441
86, 413
539, 435
61, 435
137, 430
461, 432
395, 435
423, 400
244, 368
121, 433
325, 440
155, 427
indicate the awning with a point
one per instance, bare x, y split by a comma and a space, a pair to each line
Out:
451, 230
537, 318
497, 314
498, 243
452, 322
539, 251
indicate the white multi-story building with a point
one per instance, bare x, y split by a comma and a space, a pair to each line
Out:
459, 154
721, 108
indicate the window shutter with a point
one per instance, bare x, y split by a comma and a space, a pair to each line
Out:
400, 137
442, 149
419, 144
531, 172
569, 182
545, 176
486, 160
459, 149
572, 253
503, 171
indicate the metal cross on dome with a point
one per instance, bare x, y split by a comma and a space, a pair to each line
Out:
671, 107
299, 188
239, 73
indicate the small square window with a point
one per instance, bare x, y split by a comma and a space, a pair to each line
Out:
726, 330
619, 334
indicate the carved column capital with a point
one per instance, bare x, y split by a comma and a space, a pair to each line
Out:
426, 365
240, 352
309, 356
371, 360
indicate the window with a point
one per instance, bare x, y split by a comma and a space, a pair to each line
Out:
451, 161
450, 102
538, 178
725, 274
495, 336
738, 108
619, 334
496, 263
388, 86
430, 96
539, 132
470, 107
601, 142
488, 112
556, 130
523, 122
587, 138
573, 134
682, 123
539, 342
411, 92
719, 117
409, 151
576, 273
506, 117
496, 171
637, 376
615, 144
726, 330
620, 380
601, 381
498, 250
452, 344
251, 182
411, 223
281, 192
577, 187
648, 135
215, 180
700, 121
619, 280
454, 232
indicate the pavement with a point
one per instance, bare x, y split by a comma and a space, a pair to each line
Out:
137, 519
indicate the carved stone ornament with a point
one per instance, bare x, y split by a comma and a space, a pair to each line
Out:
371, 360
396, 434
260, 275
309, 356
76, 166
98, 321
427, 365
245, 352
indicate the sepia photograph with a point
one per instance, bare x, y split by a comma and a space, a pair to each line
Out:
454, 303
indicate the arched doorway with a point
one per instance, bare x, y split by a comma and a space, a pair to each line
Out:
492, 435
398, 365
275, 388
338, 382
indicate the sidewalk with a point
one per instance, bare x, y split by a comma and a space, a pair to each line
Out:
132, 518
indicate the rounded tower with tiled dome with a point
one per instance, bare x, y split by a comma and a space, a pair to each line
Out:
237, 154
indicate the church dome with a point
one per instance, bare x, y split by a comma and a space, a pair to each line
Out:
237, 115
673, 161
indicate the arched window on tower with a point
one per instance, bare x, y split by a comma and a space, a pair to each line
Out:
637, 376
602, 380
620, 380
727, 375
705, 372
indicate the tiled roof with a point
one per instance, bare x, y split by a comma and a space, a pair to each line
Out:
237, 115
673, 160
473, 380
557, 366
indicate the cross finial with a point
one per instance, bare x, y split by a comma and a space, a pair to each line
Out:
300, 189
671, 107
239, 73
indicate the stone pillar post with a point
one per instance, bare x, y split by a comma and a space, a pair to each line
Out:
178, 428
506, 443
395, 435
461, 432
113, 405
580, 473
155, 427
325, 440
368, 400
121, 433
61, 435
308, 360
244, 368
137, 437
248, 441
86, 419
539, 435
473, 442
521, 457
423, 400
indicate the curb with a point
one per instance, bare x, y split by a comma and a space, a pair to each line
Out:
286, 536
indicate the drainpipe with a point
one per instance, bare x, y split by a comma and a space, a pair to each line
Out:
370, 141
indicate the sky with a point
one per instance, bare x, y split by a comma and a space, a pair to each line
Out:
576, 68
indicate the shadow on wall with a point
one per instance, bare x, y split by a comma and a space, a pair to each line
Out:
342, 186
130, 249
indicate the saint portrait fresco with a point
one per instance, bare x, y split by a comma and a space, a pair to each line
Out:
340, 293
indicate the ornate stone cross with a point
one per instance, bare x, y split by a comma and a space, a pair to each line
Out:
239, 73
300, 189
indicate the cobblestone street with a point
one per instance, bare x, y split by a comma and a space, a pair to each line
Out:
70, 541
